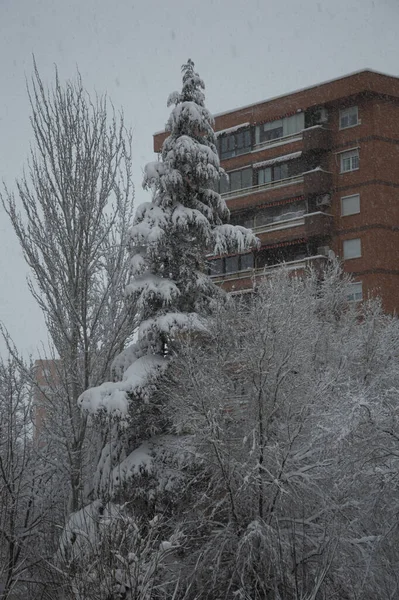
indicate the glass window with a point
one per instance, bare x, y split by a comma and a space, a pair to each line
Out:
348, 117
224, 185
234, 144
237, 180
274, 173
280, 171
247, 261
352, 248
246, 178
231, 264
350, 205
294, 124
216, 266
248, 222
349, 161
273, 130
355, 292
264, 176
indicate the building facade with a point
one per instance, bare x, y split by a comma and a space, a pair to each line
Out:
315, 172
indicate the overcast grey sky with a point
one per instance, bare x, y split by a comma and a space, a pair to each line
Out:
245, 50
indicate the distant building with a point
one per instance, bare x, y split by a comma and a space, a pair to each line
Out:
312, 172
47, 377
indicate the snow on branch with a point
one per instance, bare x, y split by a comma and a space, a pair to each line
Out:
112, 398
233, 238
150, 286
173, 324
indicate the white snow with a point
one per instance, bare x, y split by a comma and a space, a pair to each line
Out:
138, 462
315, 170
231, 129
152, 286
172, 324
228, 238
82, 530
112, 397
278, 159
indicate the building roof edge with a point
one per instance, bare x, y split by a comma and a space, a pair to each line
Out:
308, 87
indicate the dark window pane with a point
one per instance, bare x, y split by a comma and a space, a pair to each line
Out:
235, 180
246, 178
224, 186
284, 171
263, 218
264, 175
295, 167
231, 142
216, 266
231, 264
247, 142
272, 134
240, 140
248, 222
277, 173
247, 261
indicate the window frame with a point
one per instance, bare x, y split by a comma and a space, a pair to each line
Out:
351, 296
296, 122
356, 255
235, 172
354, 152
221, 260
348, 214
235, 149
342, 115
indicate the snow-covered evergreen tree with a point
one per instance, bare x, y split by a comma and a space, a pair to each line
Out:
170, 238
143, 469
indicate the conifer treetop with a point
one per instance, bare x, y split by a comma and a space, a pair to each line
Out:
170, 239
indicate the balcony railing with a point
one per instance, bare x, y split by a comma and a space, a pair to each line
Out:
264, 186
292, 265
282, 224
293, 137
315, 223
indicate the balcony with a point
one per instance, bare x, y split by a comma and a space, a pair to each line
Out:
316, 138
317, 261
317, 181
264, 186
317, 224
287, 139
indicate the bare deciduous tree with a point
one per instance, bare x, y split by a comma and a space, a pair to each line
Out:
77, 203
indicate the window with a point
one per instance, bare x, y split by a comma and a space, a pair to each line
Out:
280, 213
352, 248
238, 180
274, 173
231, 264
247, 261
348, 117
243, 220
355, 292
216, 266
273, 130
349, 160
234, 144
279, 171
350, 205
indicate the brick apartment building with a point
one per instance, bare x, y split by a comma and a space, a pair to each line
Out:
312, 172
